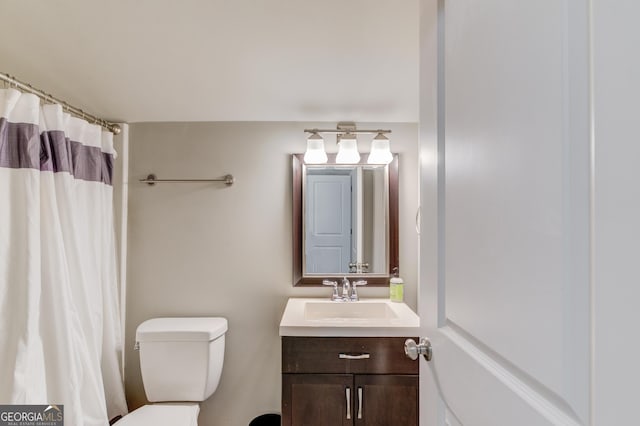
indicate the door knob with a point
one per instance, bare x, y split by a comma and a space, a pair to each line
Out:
413, 350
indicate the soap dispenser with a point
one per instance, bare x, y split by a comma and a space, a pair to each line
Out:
396, 287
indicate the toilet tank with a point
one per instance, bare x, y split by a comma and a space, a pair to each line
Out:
181, 358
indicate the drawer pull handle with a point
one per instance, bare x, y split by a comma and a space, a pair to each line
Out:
348, 395
359, 402
361, 356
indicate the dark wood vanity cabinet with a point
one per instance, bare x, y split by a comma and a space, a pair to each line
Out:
316, 399
348, 381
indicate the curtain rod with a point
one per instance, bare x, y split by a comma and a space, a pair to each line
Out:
112, 127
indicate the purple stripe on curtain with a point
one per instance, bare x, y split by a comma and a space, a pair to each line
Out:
107, 168
22, 148
55, 152
19, 145
89, 163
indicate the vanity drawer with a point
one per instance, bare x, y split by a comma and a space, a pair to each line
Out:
338, 355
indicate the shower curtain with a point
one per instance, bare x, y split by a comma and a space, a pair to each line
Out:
60, 339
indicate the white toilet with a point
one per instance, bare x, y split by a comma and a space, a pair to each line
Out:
181, 362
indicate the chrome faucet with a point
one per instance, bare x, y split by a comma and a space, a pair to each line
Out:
346, 297
349, 290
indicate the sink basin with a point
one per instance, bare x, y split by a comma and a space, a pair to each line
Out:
366, 318
337, 311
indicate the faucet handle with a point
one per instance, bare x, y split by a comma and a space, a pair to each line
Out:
354, 291
335, 295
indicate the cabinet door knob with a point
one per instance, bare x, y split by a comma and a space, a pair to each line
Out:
413, 350
359, 402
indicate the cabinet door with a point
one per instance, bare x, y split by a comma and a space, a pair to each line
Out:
317, 399
386, 400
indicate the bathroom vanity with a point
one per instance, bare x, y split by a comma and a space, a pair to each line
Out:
344, 363
348, 381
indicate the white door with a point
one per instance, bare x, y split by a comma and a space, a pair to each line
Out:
328, 223
505, 195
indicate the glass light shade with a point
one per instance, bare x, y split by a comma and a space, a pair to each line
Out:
315, 150
348, 150
380, 150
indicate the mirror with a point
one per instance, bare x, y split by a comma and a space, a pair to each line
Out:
345, 221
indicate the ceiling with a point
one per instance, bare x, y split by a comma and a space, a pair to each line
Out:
217, 60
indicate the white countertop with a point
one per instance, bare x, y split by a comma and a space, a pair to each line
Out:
392, 320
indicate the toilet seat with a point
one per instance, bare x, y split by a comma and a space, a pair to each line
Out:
163, 414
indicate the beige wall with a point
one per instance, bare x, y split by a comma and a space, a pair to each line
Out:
209, 250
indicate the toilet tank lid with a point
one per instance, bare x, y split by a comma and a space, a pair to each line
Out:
181, 329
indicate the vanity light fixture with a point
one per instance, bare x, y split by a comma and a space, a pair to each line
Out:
347, 145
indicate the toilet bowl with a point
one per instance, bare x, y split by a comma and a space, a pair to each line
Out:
181, 362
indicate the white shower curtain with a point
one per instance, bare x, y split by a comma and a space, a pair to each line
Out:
60, 337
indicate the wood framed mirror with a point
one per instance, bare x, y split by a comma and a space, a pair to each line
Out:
371, 248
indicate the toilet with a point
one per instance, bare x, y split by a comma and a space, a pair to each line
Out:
181, 363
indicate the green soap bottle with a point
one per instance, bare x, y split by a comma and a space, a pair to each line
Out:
396, 287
